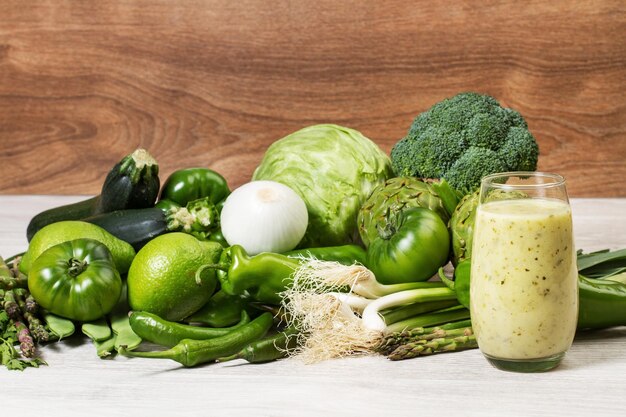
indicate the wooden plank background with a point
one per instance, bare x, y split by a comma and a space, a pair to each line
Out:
214, 82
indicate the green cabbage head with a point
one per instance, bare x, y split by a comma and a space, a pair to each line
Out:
334, 169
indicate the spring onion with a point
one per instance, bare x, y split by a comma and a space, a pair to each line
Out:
340, 310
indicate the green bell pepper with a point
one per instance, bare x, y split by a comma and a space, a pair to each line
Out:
262, 277
167, 205
410, 248
190, 184
76, 279
199, 218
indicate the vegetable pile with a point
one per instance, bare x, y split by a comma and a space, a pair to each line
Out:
333, 249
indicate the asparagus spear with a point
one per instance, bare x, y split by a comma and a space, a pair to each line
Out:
31, 305
36, 327
18, 303
9, 357
427, 341
10, 305
395, 339
9, 280
27, 344
439, 345
4, 268
14, 304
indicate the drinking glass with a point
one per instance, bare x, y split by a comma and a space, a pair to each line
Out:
524, 280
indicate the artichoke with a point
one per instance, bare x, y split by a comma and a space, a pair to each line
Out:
464, 216
462, 227
388, 200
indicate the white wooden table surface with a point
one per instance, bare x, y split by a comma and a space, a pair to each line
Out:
591, 381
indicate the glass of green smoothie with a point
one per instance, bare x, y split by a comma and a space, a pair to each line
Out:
524, 280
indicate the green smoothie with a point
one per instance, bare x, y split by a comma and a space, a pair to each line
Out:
524, 293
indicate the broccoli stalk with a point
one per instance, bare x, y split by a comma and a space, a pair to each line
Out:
462, 139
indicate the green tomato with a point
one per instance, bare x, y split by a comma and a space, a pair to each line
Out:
190, 184
76, 279
410, 248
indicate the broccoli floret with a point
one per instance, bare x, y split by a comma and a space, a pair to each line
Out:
474, 164
519, 150
464, 138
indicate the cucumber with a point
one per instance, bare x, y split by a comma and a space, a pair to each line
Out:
132, 183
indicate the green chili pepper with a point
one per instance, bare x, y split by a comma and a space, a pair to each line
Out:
190, 352
602, 303
346, 254
220, 311
189, 184
168, 333
268, 349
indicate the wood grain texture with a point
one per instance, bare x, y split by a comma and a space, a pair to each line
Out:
214, 82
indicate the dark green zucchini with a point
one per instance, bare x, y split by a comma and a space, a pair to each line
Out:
139, 226
135, 226
133, 183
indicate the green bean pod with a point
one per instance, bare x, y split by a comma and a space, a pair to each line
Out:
167, 333
124, 334
106, 348
194, 352
59, 327
97, 330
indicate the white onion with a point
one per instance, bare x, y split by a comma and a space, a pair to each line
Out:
264, 216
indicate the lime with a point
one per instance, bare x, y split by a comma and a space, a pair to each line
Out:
171, 275
59, 232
